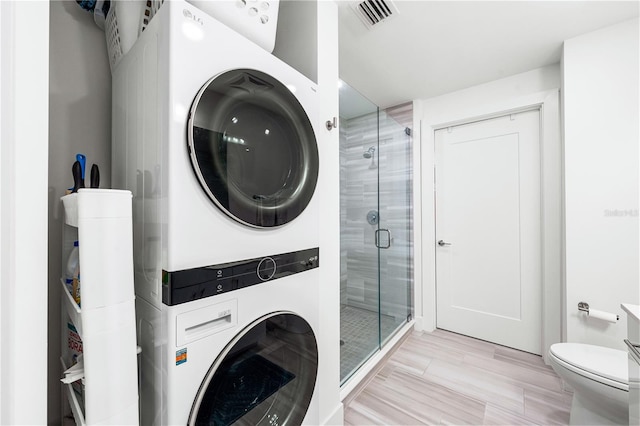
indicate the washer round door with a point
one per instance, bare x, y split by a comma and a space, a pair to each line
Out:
265, 376
253, 148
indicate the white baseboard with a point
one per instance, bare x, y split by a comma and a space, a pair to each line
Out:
336, 418
418, 324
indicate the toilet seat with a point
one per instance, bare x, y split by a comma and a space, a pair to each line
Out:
605, 365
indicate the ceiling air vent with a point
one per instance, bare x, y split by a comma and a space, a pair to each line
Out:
373, 12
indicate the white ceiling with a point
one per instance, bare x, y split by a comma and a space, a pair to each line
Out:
436, 47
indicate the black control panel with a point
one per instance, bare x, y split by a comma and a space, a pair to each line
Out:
193, 284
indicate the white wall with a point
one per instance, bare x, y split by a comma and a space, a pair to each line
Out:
299, 18
328, 384
80, 121
24, 57
536, 87
601, 178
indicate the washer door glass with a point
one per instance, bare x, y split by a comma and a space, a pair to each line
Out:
253, 148
265, 376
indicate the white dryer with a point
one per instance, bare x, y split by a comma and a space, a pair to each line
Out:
215, 137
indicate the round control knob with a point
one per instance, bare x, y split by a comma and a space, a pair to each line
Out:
266, 269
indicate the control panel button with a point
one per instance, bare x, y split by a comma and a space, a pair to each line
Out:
266, 269
222, 286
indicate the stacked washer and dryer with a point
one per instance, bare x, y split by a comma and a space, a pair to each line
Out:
216, 139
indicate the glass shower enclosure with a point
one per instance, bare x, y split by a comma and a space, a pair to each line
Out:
376, 274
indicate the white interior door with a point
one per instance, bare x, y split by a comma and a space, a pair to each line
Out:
488, 230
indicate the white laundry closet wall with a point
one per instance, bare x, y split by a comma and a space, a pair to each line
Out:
79, 122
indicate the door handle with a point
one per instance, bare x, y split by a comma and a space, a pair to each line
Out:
442, 243
377, 234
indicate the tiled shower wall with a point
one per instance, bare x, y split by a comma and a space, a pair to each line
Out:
359, 195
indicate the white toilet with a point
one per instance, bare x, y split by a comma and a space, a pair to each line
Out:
599, 378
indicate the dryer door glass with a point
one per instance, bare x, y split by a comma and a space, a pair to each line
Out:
265, 376
253, 148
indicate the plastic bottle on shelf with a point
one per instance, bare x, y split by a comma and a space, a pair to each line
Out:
73, 262
69, 284
72, 278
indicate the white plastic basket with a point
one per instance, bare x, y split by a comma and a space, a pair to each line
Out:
150, 9
124, 23
114, 48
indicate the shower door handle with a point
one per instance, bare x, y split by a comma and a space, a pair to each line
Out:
377, 236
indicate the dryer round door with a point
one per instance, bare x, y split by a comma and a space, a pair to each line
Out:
265, 376
253, 148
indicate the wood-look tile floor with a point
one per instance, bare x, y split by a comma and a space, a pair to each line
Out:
446, 378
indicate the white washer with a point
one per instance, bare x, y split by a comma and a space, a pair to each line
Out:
244, 356
215, 137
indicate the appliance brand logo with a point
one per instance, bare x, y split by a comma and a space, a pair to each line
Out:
187, 14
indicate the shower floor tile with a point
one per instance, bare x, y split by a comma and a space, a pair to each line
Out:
359, 336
